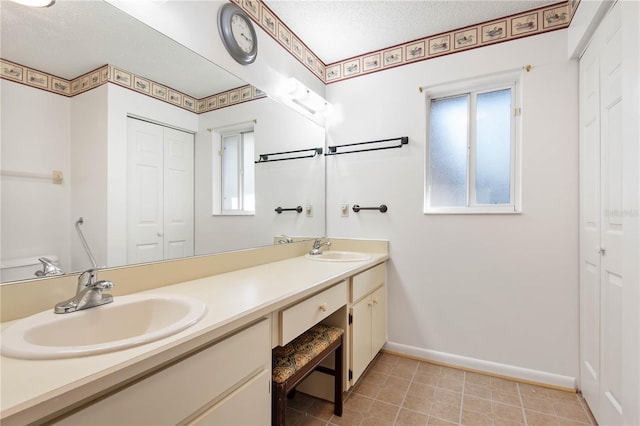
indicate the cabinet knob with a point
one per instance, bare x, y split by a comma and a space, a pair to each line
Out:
160, 234
370, 304
323, 307
375, 302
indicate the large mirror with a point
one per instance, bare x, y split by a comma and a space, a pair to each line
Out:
138, 178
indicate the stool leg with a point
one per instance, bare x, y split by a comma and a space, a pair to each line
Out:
278, 404
337, 378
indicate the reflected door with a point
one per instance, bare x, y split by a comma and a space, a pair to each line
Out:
160, 192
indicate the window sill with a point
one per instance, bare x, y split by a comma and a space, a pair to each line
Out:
472, 210
251, 213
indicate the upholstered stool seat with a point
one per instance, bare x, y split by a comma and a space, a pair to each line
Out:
296, 360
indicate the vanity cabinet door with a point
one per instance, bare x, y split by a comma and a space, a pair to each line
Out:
234, 409
360, 337
378, 321
368, 328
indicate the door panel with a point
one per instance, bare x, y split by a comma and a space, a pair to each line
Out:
179, 187
590, 228
144, 193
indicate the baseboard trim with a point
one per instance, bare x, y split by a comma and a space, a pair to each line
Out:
525, 375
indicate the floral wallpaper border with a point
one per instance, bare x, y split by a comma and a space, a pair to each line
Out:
533, 22
112, 74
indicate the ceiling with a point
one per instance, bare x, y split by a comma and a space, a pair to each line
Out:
340, 29
74, 37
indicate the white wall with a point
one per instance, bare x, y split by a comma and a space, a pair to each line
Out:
35, 138
493, 292
89, 176
281, 183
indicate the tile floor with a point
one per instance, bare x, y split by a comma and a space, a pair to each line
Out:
401, 391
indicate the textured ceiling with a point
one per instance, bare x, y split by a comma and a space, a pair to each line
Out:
339, 29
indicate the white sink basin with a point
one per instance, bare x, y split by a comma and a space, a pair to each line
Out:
338, 256
128, 321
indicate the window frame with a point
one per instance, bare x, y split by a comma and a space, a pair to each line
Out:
218, 169
474, 87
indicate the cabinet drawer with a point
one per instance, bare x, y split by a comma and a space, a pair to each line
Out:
178, 391
367, 281
232, 411
302, 316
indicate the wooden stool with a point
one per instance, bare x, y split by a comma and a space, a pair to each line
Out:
293, 362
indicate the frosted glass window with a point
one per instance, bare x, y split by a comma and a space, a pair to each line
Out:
238, 174
448, 151
493, 147
230, 172
471, 151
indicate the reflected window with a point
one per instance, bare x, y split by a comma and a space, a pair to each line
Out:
238, 177
471, 150
234, 172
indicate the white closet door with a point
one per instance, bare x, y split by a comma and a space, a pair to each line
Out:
611, 279
602, 285
178, 200
145, 175
160, 193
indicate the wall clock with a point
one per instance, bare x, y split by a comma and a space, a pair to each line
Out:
237, 33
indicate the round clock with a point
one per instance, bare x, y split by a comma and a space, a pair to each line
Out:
237, 33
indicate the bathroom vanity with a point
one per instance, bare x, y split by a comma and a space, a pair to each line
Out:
210, 372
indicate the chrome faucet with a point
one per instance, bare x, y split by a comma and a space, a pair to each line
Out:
88, 294
317, 246
49, 269
284, 239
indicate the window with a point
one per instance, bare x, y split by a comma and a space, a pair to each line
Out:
234, 175
472, 150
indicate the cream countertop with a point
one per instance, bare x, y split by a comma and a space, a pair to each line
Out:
31, 389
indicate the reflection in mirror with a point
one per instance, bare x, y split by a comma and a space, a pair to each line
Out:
107, 120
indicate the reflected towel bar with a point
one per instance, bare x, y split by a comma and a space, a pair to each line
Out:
55, 176
264, 158
296, 209
333, 150
382, 208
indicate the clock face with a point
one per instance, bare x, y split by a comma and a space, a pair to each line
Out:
237, 33
241, 33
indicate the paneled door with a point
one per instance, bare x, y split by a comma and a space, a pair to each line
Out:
601, 223
159, 192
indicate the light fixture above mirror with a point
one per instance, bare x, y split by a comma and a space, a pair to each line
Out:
35, 3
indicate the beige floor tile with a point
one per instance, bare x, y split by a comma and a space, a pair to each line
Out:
447, 397
348, 418
451, 382
477, 379
394, 390
416, 403
572, 412
401, 391
479, 405
506, 397
403, 371
358, 403
476, 390
535, 418
383, 411
444, 411
411, 418
434, 421
422, 390
426, 377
